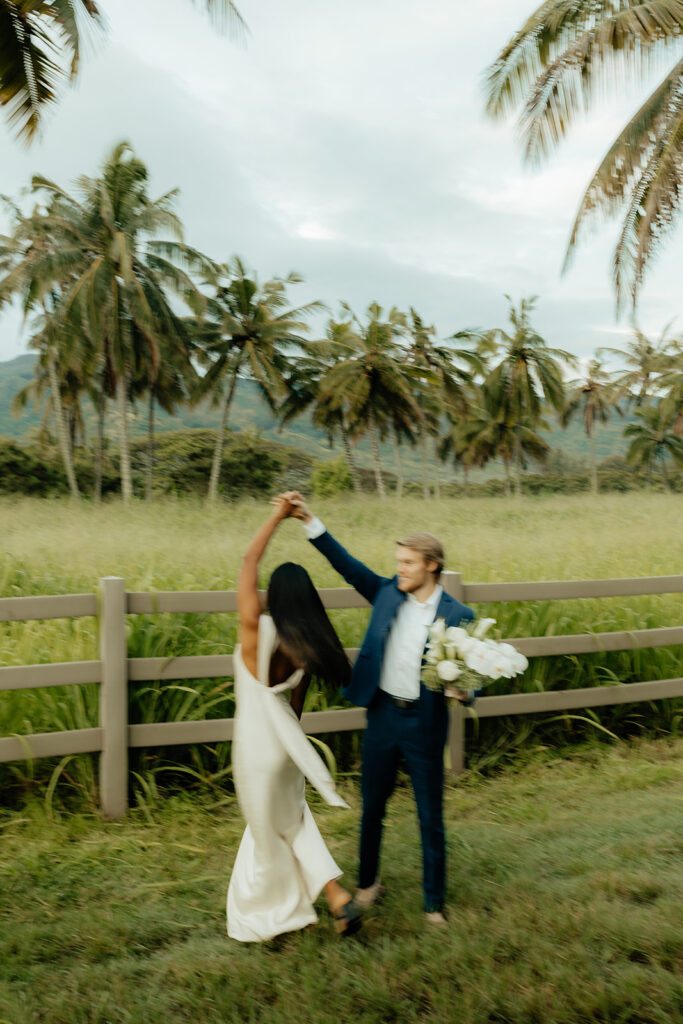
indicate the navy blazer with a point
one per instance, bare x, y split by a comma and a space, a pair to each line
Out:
385, 598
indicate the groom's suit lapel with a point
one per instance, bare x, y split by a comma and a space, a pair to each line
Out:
444, 606
393, 602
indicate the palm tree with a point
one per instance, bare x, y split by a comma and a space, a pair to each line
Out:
64, 388
369, 382
302, 381
249, 330
439, 384
168, 382
646, 361
403, 428
97, 257
653, 440
595, 397
672, 386
460, 446
25, 254
119, 297
551, 68
488, 433
41, 44
101, 389
528, 374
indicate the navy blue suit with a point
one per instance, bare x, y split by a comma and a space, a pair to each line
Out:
418, 734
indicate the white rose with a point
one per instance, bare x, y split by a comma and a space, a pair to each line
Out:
471, 651
482, 628
519, 663
448, 671
498, 660
516, 662
434, 652
437, 630
481, 658
456, 635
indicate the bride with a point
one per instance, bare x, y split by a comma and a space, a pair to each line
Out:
282, 863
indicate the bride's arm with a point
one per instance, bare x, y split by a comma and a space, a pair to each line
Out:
248, 599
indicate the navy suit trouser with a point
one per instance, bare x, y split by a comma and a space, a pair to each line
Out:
392, 734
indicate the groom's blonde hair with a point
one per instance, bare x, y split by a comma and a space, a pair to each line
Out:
429, 546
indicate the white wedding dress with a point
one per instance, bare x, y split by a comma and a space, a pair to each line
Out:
282, 863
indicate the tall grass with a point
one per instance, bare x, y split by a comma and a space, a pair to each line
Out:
51, 547
564, 897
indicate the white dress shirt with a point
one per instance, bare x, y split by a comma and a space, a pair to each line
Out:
405, 645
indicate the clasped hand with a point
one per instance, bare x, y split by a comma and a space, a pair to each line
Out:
291, 504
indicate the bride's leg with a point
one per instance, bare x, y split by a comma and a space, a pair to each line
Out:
345, 912
336, 895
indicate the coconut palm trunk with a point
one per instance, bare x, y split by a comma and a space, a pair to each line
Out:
594, 467
353, 469
426, 489
374, 448
437, 485
149, 476
124, 443
100, 448
518, 468
399, 467
72, 431
61, 428
508, 489
220, 439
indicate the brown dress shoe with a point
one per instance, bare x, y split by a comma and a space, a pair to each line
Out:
366, 898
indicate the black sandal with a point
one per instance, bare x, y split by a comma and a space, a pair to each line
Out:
347, 919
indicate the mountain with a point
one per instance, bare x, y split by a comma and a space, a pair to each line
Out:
250, 412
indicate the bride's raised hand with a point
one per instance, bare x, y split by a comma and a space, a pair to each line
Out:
301, 509
284, 508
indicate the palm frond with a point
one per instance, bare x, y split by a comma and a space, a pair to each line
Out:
224, 16
565, 50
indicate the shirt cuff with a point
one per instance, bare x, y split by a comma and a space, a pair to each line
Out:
314, 528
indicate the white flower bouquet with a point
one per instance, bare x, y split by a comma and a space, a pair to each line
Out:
463, 659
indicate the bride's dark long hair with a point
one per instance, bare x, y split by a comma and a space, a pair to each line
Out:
307, 634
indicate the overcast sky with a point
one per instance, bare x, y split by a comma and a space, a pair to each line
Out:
348, 141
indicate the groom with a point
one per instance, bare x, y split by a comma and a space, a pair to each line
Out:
404, 719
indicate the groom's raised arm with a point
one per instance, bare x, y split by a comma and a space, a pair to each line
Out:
361, 578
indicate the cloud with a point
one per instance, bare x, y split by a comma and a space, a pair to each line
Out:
349, 142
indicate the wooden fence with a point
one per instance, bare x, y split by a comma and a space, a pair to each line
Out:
114, 669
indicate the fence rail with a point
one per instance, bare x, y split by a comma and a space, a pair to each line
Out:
114, 670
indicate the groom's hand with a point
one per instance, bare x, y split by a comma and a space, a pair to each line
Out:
300, 509
283, 507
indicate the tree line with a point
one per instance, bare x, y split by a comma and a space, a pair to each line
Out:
122, 310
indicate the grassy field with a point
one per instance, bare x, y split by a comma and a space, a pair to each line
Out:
565, 894
50, 547
187, 545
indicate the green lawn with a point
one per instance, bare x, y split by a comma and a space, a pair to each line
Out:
565, 897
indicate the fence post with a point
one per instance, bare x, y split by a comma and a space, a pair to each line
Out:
456, 738
113, 698
452, 584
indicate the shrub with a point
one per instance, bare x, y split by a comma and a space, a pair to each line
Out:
183, 460
330, 478
24, 470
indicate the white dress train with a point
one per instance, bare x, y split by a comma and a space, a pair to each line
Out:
282, 862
